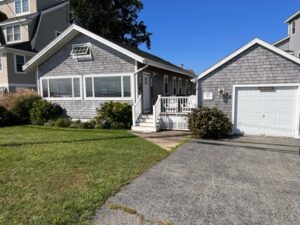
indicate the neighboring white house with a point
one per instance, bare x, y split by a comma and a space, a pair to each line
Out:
258, 86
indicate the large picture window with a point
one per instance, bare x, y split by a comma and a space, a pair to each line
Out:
108, 86
61, 87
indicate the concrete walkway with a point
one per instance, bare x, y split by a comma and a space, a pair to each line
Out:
168, 140
212, 183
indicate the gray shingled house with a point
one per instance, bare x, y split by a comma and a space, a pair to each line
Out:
258, 86
80, 71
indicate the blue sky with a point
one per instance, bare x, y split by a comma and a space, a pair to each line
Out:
199, 33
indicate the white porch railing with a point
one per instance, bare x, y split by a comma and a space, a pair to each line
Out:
157, 110
178, 105
137, 110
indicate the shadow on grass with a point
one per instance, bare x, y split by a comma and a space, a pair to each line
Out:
292, 152
66, 142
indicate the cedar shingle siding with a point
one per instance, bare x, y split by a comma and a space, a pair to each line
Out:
255, 66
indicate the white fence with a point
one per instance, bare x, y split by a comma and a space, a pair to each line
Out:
137, 110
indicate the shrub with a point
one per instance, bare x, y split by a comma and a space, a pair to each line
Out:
42, 111
6, 117
23, 106
209, 123
88, 125
63, 122
9, 100
75, 124
114, 115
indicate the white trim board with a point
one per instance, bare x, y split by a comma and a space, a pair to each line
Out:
235, 87
74, 30
244, 48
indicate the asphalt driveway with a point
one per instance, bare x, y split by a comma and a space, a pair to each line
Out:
212, 183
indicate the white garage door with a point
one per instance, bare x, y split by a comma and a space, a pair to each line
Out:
267, 111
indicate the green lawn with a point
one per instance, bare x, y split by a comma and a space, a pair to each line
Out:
61, 176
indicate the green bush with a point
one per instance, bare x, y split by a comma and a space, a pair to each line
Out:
63, 122
23, 106
88, 125
209, 123
43, 111
114, 115
7, 118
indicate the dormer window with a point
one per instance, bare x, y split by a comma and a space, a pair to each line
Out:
13, 34
81, 51
21, 6
293, 27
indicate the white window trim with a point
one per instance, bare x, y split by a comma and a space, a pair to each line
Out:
61, 77
297, 121
22, 13
166, 76
109, 98
82, 56
15, 63
12, 26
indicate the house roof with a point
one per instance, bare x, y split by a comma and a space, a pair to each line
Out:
136, 54
243, 49
297, 14
281, 41
24, 46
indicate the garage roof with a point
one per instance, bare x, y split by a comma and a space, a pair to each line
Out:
243, 49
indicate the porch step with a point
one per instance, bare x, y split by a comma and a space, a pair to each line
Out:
143, 120
141, 129
145, 124
146, 116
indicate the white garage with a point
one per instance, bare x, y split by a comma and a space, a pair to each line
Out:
270, 110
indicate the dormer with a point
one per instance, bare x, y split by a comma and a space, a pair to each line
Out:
16, 8
293, 23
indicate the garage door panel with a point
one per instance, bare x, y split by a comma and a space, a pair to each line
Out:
266, 112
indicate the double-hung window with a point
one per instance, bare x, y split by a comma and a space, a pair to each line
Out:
62, 87
108, 86
166, 82
180, 86
174, 86
21, 6
1, 65
293, 27
187, 87
13, 33
20, 60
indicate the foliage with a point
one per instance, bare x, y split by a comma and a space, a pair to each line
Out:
61, 175
42, 111
116, 20
23, 106
63, 122
9, 100
209, 123
88, 125
114, 115
6, 117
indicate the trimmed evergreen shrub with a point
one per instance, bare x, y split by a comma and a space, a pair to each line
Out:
63, 122
43, 111
114, 115
23, 106
209, 123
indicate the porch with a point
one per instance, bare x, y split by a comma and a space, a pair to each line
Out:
168, 113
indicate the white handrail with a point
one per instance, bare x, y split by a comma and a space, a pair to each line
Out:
136, 110
157, 110
178, 105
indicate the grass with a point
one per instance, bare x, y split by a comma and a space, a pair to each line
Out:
61, 176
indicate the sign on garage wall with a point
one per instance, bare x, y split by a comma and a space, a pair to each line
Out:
208, 96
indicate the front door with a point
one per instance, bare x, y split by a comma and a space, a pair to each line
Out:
146, 94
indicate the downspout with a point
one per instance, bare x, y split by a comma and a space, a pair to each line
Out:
136, 79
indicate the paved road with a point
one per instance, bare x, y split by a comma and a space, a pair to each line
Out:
212, 184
